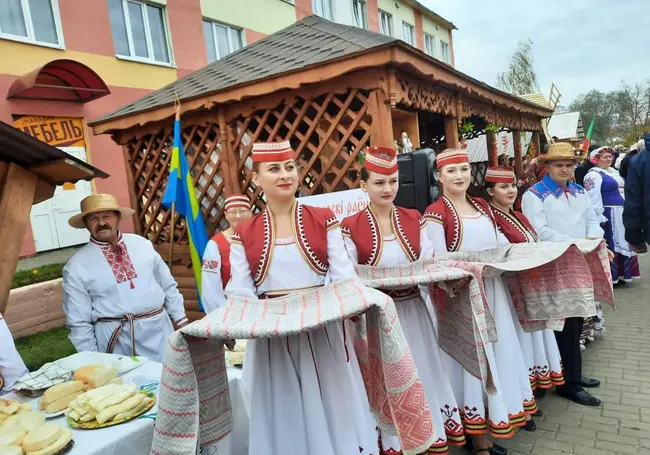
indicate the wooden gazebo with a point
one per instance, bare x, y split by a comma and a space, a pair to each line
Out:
30, 171
330, 89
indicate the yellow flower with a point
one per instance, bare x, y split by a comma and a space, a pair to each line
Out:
35, 272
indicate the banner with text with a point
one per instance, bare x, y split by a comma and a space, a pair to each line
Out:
55, 131
342, 203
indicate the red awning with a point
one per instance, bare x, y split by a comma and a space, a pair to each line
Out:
59, 80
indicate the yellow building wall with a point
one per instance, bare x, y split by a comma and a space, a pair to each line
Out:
19, 58
263, 16
403, 13
434, 29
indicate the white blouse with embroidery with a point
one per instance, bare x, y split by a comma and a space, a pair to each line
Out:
212, 294
95, 288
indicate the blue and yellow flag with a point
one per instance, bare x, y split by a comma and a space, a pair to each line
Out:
180, 189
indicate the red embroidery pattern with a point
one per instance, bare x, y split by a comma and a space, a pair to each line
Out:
401, 236
332, 223
265, 258
316, 264
210, 265
119, 261
374, 232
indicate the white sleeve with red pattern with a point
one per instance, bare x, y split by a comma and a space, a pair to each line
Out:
241, 280
212, 295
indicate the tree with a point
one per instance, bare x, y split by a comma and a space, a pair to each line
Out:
520, 77
603, 106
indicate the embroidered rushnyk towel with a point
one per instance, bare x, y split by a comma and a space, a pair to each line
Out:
194, 401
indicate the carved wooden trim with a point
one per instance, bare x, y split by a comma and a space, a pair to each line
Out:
422, 95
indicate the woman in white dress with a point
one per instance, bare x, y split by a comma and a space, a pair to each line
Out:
457, 222
386, 235
302, 391
539, 347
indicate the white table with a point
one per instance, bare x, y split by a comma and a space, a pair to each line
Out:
135, 437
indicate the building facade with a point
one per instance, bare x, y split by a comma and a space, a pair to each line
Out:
66, 62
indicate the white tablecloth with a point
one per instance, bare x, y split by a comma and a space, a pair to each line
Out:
135, 437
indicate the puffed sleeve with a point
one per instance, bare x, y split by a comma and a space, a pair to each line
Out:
592, 183
426, 246
173, 298
351, 248
533, 209
241, 282
436, 234
593, 224
212, 294
78, 309
340, 264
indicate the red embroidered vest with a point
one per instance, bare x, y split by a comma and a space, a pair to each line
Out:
310, 227
224, 251
443, 212
363, 228
514, 225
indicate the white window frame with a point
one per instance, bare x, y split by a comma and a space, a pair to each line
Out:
445, 56
430, 39
411, 32
389, 23
318, 5
229, 28
29, 27
362, 7
147, 34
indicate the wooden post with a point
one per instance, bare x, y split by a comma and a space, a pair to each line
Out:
536, 142
451, 132
491, 139
230, 163
516, 143
381, 130
16, 197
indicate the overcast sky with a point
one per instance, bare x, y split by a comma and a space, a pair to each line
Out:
578, 44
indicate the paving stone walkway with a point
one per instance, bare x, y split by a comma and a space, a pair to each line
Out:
49, 257
621, 360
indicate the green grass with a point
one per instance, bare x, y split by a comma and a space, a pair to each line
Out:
41, 348
38, 275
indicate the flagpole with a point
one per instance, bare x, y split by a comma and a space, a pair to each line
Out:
173, 214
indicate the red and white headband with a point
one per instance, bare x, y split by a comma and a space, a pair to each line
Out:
272, 152
237, 201
501, 174
382, 160
451, 156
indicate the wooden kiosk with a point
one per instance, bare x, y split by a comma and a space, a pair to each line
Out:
330, 89
30, 171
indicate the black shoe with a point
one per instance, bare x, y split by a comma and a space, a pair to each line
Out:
496, 449
589, 382
579, 396
530, 425
538, 413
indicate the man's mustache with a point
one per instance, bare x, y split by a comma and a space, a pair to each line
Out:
104, 228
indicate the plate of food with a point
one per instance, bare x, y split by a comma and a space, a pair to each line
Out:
41, 439
109, 405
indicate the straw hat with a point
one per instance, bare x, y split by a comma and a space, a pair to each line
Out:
98, 203
559, 151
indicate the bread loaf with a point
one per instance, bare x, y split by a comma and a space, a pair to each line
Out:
83, 372
60, 391
26, 420
64, 438
110, 412
11, 450
41, 437
13, 437
101, 376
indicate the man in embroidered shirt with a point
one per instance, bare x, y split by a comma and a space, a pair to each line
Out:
118, 294
12, 366
561, 210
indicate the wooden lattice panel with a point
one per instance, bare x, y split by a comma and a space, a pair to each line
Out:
327, 132
148, 158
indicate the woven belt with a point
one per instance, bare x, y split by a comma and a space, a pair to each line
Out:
130, 318
402, 294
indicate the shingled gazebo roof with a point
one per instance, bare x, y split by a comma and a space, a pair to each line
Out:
309, 43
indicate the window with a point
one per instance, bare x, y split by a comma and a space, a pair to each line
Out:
430, 44
323, 8
385, 23
409, 33
31, 21
360, 13
444, 52
139, 31
221, 40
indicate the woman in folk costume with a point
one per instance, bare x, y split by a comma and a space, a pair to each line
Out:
215, 273
457, 222
386, 235
303, 396
605, 187
539, 347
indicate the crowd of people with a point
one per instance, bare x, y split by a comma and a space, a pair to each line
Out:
306, 391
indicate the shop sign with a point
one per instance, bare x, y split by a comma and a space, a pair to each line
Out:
55, 131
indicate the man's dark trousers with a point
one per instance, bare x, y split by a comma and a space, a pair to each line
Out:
568, 342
